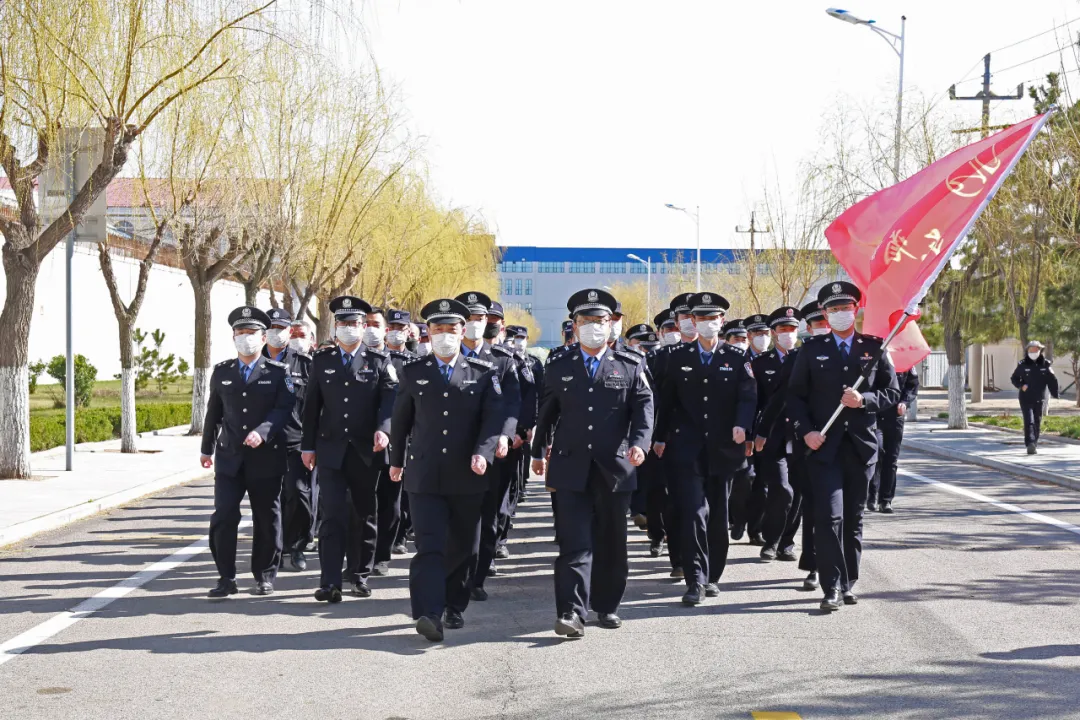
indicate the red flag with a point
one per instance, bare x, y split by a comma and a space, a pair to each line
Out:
896, 242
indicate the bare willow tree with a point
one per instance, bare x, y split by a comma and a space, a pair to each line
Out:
105, 70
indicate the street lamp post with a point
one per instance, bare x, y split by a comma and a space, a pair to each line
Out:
696, 217
896, 42
648, 283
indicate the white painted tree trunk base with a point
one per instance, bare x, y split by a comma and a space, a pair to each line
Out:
14, 423
200, 384
128, 421
957, 404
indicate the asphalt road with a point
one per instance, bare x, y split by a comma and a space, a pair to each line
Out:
968, 610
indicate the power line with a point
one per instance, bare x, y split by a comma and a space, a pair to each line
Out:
1056, 51
1044, 32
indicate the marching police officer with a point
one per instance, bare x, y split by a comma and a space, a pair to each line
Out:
735, 334
771, 457
448, 420
665, 327
707, 406
891, 426
250, 403
530, 372
481, 316
1032, 377
843, 458
598, 403
300, 494
346, 432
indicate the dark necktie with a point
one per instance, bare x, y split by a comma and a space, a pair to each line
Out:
706, 357
844, 350
245, 371
346, 358
591, 365
446, 373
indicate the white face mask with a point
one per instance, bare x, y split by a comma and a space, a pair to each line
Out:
373, 336
686, 326
671, 338
762, 342
1034, 355
741, 345
593, 335
423, 349
709, 328
474, 330
347, 334
396, 337
248, 345
820, 331
786, 340
520, 344
842, 320
278, 337
298, 345
616, 330
446, 344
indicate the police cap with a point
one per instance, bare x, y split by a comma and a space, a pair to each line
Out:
247, 316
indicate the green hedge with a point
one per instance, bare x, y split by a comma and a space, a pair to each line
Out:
97, 424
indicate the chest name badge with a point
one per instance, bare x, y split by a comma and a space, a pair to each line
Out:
266, 382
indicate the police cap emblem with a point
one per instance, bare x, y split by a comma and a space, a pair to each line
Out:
836, 287
346, 303
472, 297
444, 306
246, 312
593, 296
706, 298
790, 312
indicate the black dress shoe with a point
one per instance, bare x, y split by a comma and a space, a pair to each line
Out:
811, 582
360, 589
712, 590
737, 532
381, 569
886, 507
787, 556
400, 549
452, 619
871, 506
656, 549
492, 571
479, 594
570, 625
695, 595
831, 601
224, 588
611, 621
851, 598
641, 521
768, 554
262, 588
501, 552
1031, 449
328, 593
431, 628
756, 539
676, 573
299, 562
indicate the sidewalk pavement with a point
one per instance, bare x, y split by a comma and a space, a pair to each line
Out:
1057, 461
103, 478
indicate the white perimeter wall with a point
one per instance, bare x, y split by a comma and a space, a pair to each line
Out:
169, 306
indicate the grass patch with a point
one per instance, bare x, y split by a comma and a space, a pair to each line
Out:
1055, 424
47, 430
49, 399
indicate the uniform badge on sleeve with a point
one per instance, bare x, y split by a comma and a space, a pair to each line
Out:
749, 370
495, 384
390, 371
289, 384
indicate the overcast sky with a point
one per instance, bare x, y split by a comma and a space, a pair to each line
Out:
572, 122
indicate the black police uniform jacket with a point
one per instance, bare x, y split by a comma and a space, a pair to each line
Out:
594, 420
769, 371
773, 423
530, 373
298, 366
1038, 376
235, 408
446, 424
506, 370
817, 383
346, 404
700, 405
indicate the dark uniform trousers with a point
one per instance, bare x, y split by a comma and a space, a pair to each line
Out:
742, 486
773, 473
264, 494
1031, 411
703, 519
839, 490
592, 567
802, 511
517, 469
388, 496
447, 542
360, 480
670, 471
494, 499
300, 494
890, 436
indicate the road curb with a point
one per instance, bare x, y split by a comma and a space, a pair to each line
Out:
1006, 467
59, 518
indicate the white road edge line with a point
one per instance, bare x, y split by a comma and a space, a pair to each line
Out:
1039, 517
58, 623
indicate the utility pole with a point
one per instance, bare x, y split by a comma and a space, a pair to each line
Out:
975, 367
752, 231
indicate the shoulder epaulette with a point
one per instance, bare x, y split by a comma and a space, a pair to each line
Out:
400, 353
553, 357
633, 357
276, 363
325, 350
414, 360
223, 363
814, 338
481, 363
501, 350
872, 338
376, 353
